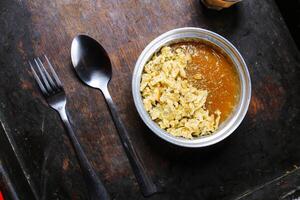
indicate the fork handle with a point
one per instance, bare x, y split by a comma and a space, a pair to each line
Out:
145, 182
95, 188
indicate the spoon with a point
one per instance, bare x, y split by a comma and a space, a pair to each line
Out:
93, 67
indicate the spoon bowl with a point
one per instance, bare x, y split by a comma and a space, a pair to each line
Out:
91, 61
93, 67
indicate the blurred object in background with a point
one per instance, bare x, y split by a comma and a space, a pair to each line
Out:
1, 196
219, 4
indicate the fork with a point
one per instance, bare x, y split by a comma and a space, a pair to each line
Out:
54, 93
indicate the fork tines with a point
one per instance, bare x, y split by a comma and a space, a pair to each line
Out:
47, 83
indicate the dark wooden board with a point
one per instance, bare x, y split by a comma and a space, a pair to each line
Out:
13, 184
291, 13
285, 187
264, 147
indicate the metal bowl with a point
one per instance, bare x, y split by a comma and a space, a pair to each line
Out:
236, 117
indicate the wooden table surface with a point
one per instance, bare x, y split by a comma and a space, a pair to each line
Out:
37, 154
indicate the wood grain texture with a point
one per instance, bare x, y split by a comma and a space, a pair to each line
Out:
262, 148
285, 187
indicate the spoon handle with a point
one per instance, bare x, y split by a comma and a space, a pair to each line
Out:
145, 182
95, 187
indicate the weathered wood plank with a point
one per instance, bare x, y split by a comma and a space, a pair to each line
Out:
12, 181
285, 187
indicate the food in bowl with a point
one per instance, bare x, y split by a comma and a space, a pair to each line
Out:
189, 87
227, 124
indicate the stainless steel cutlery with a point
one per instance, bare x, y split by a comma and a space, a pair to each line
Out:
54, 93
93, 67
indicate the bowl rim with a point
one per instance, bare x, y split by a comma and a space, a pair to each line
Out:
229, 125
